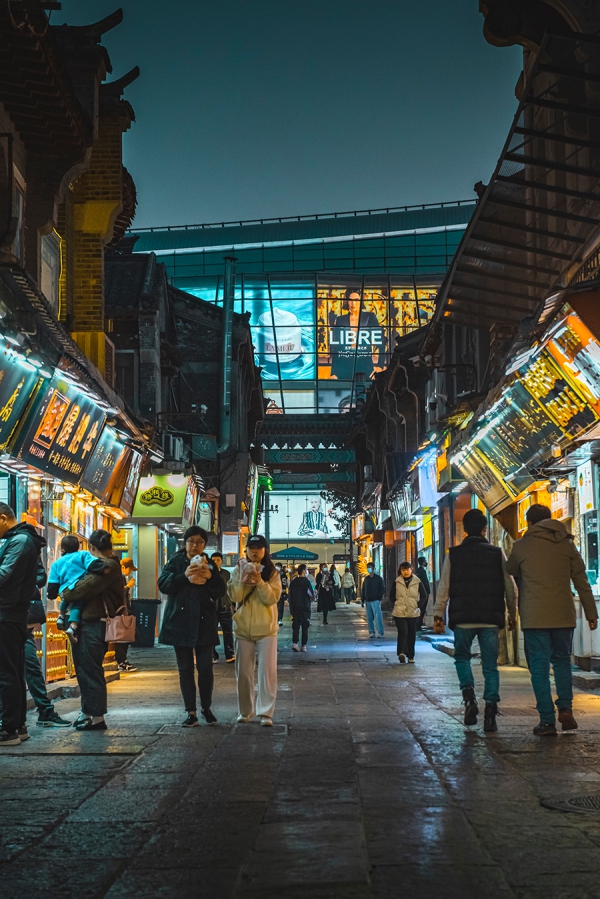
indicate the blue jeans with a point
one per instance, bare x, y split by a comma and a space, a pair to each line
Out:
374, 617
545, 647
488, 644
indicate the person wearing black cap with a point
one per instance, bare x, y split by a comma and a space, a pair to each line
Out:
189, 624
255, 587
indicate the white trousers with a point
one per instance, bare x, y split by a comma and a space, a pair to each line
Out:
246, 652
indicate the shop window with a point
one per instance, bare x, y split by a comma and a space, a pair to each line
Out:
50, 269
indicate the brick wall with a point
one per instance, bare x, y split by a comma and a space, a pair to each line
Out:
97, 201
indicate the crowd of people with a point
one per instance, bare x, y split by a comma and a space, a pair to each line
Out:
476, 598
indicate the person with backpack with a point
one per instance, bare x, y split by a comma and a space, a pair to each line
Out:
301, 597
476, 585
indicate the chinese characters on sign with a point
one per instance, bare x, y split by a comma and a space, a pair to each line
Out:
64, 431
106, 466
17, 384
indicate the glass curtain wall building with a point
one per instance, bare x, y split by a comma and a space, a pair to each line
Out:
328, 296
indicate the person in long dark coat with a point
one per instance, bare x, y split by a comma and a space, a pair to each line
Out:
325, 599
190, 621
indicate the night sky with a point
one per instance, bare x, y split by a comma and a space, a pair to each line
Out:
257, 108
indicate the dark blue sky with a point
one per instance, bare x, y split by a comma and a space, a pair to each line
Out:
256, 108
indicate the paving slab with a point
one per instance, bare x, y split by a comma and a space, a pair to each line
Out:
368, 787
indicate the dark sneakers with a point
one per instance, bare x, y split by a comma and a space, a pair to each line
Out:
565, 716
208, 716
23, 733
489, 721
51, 718
7, 739
471, 708
544, 729
191, 721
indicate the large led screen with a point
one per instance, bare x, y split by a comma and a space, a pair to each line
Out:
319, 339
300, 516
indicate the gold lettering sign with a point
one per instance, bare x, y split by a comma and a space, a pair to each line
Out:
156, 496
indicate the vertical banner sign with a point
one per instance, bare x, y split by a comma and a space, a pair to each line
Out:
132, 481
64, 431
585, 487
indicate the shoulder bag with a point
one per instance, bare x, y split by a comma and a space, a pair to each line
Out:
121, 628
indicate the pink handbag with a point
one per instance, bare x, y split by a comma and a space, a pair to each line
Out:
121, 628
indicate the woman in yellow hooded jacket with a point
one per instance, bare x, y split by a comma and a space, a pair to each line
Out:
255, 587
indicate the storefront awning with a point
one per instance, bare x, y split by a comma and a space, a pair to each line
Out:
536, 217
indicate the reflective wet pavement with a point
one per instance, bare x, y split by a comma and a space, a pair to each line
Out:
368, 786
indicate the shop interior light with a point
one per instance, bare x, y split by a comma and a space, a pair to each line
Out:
33, 361
12, 340
81, 495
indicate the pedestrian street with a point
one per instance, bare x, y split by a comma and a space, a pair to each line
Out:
367, 786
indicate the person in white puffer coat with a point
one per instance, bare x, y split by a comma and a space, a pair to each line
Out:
407, 590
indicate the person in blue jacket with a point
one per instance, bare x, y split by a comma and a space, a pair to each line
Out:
193, 587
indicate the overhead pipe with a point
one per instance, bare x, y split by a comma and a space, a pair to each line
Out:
227, 343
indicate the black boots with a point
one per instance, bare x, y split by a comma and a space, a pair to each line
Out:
471, 709
489, 721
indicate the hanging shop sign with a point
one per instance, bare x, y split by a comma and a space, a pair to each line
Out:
427, 475
516, 431
561, 502
18, 382
577, 352
491, 489
64, 431
189, 506
161, 498
585, 487
135, 461
106, 467
564, 403
358, 526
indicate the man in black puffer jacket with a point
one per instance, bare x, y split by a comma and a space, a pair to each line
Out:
20, 547
476, 583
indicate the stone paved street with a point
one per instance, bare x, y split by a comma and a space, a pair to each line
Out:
368, 787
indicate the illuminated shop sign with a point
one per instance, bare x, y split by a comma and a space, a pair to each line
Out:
491, 489
18, 380
64, 432
564, 403
552, 395
161, 498
106, 468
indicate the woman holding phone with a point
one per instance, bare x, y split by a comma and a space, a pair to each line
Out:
189, 624
255, 587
